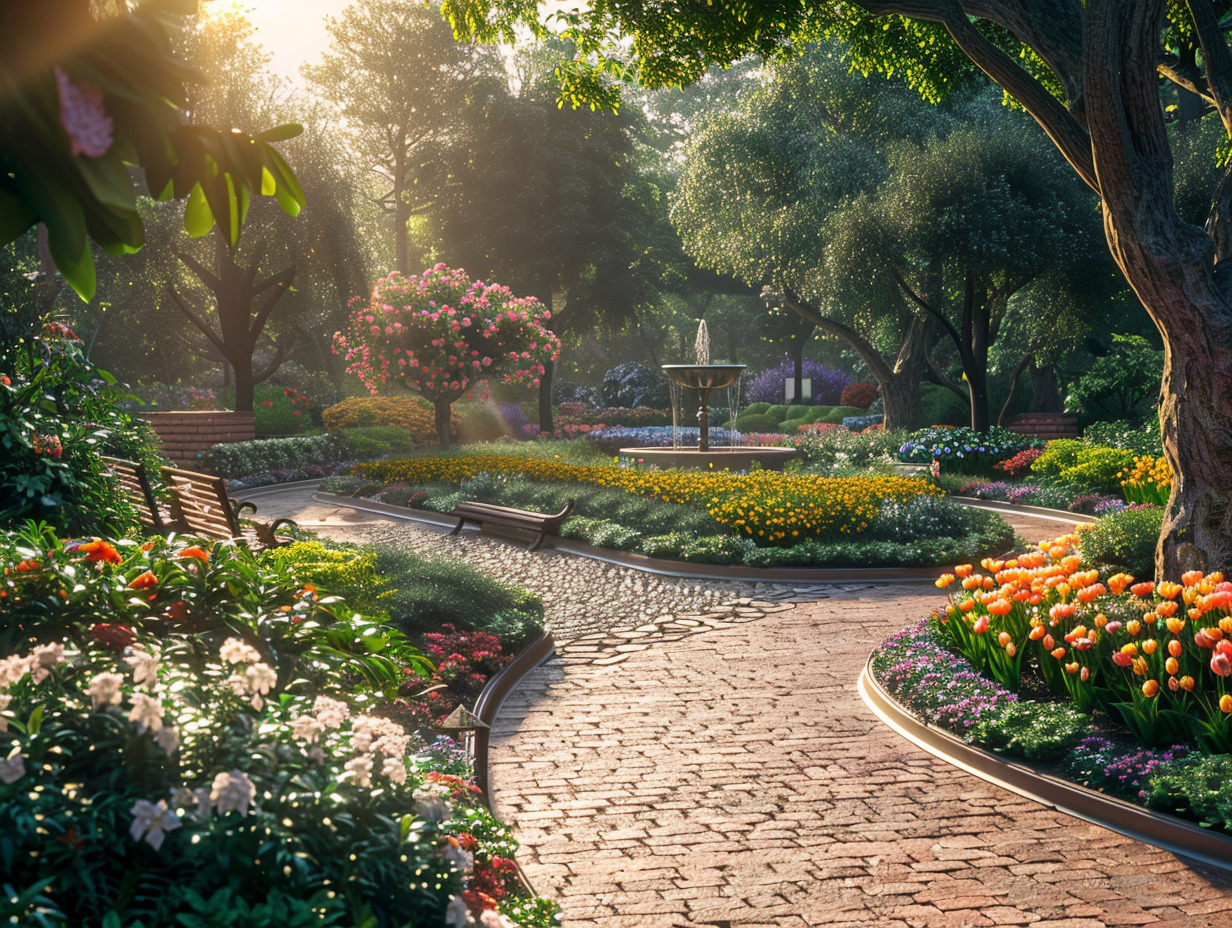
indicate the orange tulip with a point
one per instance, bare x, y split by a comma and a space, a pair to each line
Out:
1168, 590
1191, 577
1187, 684
1058, 653
1133, 626
1150, 688
1175, 625
1143, 589
1166, 609
1175, 648
963, 570
1000, 607
1225, 703
944, 580
1072, 668
1150, 645
1172, 665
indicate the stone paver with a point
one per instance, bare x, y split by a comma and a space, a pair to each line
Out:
698, 756
734, 777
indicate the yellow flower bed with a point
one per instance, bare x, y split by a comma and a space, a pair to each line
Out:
769, 507
1150, 481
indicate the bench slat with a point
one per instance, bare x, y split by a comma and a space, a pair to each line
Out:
508, 517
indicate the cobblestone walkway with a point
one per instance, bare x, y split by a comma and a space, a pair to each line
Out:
700, 757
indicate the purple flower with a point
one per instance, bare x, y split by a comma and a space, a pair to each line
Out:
89, 128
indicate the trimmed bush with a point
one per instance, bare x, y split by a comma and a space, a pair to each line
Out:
479, 423
860, 394
236, 459
375, 441
413, 413
1124, 539
1058, 455
758, 422
634, 384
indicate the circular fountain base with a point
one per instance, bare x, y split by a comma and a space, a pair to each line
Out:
714, 459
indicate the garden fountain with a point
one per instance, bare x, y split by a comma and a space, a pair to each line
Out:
703, 378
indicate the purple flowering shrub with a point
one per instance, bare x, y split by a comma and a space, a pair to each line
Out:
769, 385
1118, 768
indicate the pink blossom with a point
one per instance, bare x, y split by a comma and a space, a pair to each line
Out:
83, 116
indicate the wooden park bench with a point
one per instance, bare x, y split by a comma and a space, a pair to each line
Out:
506, 517
134, 480
200, 506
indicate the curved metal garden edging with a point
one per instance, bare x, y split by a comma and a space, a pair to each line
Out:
1162, 831
277, 487
488, 705
663, 567
995, 505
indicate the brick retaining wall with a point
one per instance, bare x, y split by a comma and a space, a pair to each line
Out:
183, 434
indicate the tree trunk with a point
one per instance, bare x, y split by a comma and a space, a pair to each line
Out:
797, 372
900, 400
1045, 388
402, 215
977, 389
546, 423
443, 409
1177, 271
245, 387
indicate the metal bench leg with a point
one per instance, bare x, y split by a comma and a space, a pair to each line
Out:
537, 542
457, 528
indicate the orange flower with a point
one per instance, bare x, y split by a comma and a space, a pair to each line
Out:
1187, 684
1166, 609
1131, 649
943, 581
981, 625
1058, 652
1150, 688
1191, 577
148, 546
1011, 649
1133, 626
1000, 607
963, 570
99, 550
967, 605
1225, 625
194, 551
1150, 645
27, 564
1036, 633
992, 566
1140, 667
1175, 625
1072, 669
1172, 665
143, 581
971, 583
1175, 648
1004, 638
1225, 703
1118, 582
1169, 590
1091, 593
1101, 620
1143, 589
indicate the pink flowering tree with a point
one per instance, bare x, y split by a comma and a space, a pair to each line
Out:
440, 332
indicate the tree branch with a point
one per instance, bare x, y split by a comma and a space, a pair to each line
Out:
280, 355
206, 276
945, 380
283, 281
1022, 366
199, 321
1217, 59
871, 357
923, 304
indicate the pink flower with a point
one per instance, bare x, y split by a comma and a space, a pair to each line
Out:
1221, 663
89, 128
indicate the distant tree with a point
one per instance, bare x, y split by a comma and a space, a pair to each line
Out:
400, 82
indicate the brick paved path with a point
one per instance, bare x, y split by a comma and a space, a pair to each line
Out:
734, 777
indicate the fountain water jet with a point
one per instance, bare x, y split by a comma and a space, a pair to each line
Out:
703, 378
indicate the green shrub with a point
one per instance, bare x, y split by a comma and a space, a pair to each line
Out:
1036, 731
1058, 455
1098, 470
1196, 785
756, 422
424, 594
779, 412
412, 413
367, 443
1142, 439
756, 409
837, 414
824, 451
239, 458
1124, 539
921, 517
274, 413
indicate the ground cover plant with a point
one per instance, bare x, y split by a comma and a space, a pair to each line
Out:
192, 733
759, 519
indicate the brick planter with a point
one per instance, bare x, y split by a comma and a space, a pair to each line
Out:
1046, 425
183, 434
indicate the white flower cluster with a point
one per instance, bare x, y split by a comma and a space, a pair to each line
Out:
37, 664
146, 712
254, 681
371, 736
230, 792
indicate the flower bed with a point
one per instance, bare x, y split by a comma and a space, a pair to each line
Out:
1136, 677
194, 733
762, 519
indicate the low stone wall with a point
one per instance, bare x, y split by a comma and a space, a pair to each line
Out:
183, 434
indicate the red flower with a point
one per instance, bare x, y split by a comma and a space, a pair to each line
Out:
194, 551
113, 636
99, 550
143, 581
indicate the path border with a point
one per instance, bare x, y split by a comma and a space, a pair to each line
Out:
1039, 512
1162, 831
661, 566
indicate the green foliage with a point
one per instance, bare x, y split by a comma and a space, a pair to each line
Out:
824, 451
1195, 785
923, 517
1098, 469
240, 458
1125, 539
942, 406
1058, 455
1036, 731
1123, 384
74, 177
58, 414
376, 441
1141, 439
758, 422
480, 423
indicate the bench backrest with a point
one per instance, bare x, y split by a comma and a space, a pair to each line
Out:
132, 478
200, 504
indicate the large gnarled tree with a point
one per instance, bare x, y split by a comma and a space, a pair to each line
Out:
1090, 74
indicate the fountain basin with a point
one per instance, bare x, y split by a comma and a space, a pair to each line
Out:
703, 376
714, 459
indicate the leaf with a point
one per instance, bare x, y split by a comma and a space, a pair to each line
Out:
15, 216
198, 218
281, 133
78, 271
268, 184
